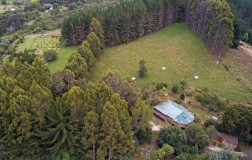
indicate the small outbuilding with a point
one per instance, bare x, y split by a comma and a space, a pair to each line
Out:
231, 140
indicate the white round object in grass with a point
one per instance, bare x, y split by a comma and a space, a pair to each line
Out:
215, 118
217, 62
196, 77
133, 78
163, 68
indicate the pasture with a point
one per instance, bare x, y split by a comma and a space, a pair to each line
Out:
184, 55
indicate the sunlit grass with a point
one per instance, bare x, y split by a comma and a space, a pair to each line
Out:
182, 52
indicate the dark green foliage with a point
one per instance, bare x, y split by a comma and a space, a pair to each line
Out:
86, 53
213, 21
161, 85
144, 135
243, 20
95, 44
27, 56
182, 97
122, 22
175, 88
59, 134
78, 66
142, 68
173, 136
204, 99
63, 81
237, 120
196, 136
50, 55
209, 122
211, 101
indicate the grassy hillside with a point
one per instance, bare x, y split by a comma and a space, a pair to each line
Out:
183, 54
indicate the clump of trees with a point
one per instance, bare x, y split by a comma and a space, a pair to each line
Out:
50, 55
42, 118
237, 120
192, 140
213, 21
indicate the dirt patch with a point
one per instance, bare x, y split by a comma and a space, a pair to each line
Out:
243, 55
49, 34
147, 149
154, 126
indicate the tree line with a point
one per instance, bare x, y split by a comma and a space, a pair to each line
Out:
123, 22
213, 21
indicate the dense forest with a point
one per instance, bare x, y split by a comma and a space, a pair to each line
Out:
242, 11
213, 21
124, 22
46, 119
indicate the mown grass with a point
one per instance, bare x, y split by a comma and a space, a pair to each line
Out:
62, 57
182, 52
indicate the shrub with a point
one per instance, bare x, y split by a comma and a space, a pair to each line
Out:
173, 136
50, 55
204, 99
72, 7
161, 85
209, 122
212, 108
175, 88
144, 135
182, 97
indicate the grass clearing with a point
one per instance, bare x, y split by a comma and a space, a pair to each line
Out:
39, 43
62, 57
182, 52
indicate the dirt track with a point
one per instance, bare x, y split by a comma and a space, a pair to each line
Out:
243, 55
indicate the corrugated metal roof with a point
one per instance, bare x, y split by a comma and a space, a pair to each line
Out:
175, 111
228, 138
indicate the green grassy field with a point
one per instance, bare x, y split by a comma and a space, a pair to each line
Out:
62, 57
39, 43
183, 54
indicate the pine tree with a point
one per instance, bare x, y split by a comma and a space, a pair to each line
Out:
20, 112
95, 44
74, 99
41, 100
141, 114
142, 68
96, 27
59, 134
41, 73
112, 134
78, 66
91, 129
86, 53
